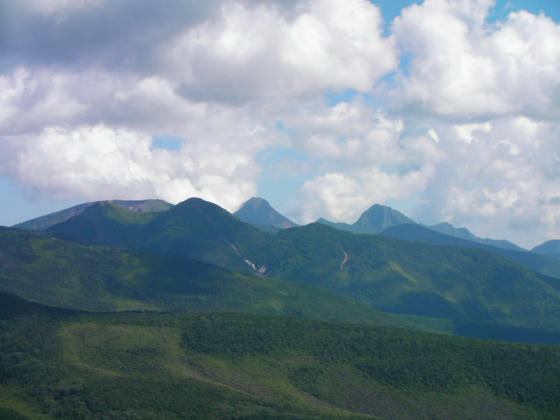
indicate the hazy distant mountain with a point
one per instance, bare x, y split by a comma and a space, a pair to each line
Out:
413, 232
374, 220
378, 218
340, 226
464, 233
258, 211
139, 206
551, 248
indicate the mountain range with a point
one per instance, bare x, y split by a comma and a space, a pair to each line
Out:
120, 309
378, 218
459, 286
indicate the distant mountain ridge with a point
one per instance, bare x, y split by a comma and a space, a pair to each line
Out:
550, 248
543, 264
378, 218
258, 211
374, 220
463, 233
46, 221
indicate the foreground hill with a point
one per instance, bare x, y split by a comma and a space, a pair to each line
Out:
140, 206
215, 366
64, 274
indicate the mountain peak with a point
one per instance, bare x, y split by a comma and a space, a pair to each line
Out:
258, 211
378, 217
257, 202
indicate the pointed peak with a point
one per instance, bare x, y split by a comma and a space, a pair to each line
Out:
378, 207
379, 217
256, 202
258, 211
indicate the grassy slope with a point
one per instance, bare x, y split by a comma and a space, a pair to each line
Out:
241, 366
65, 274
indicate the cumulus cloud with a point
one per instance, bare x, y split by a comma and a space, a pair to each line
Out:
365, 157
343, 197
58, 127
92, 82
463, 67
500, 177
252, 50
100, 162
467, 124
50, 7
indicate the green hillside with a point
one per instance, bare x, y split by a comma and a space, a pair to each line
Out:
216, 366
194, 228
64, 274
463, 285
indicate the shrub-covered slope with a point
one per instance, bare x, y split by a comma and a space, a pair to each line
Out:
215, 366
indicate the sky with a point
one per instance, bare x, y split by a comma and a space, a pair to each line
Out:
447, 110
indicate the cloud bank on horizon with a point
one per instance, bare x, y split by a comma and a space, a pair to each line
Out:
441, 108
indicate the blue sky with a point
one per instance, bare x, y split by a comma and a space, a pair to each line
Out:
449, 113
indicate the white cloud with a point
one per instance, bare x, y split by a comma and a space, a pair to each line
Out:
472, 130
498, 178
463, 67
343, 197
51, 140
59, 7
100, 162
256, 51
